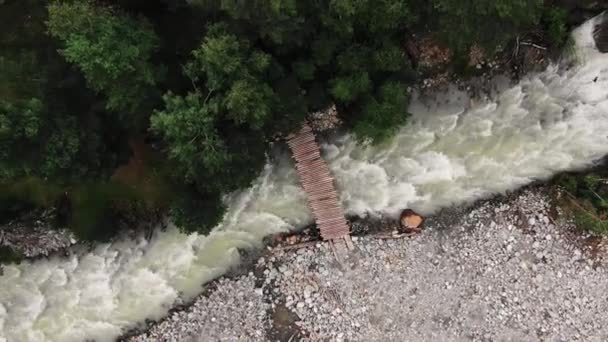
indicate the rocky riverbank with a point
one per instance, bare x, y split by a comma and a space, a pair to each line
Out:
511, 268
35, 235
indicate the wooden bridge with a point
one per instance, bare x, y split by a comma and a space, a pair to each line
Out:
319, 186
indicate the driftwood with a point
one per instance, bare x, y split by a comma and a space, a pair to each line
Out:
392, 235
533, 45
306, 244
296, 246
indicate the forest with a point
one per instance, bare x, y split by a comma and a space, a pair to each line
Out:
111, 109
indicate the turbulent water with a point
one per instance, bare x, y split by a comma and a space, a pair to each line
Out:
549, 122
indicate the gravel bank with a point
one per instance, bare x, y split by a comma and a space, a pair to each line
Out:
503, 270
35, 236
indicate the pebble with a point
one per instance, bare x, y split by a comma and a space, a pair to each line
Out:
434, 290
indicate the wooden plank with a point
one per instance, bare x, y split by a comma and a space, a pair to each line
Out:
305, 140
330, 222
326, 185
329, 214
324, 212
334, 235
316, 179
309, 157
325, 204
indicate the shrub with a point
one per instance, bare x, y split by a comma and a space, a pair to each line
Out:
9, 256
555, 24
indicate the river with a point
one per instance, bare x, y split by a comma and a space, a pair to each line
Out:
449, 153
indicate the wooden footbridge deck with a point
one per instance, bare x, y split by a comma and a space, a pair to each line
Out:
319, 186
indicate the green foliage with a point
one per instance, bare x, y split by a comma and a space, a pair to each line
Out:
195, 212
383, 113
94, 209
590, 198
233, 74
202, 154
344, 52
23, 127
31, 190
569, 183
555, 22
591, 223
187, 124
591, 181
276, 21
9, 256
112, 49
488, 23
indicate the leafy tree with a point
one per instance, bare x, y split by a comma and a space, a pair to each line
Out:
383, 114
112, 49
203, 131
282, 59
188, 126
39, 134
488, 23
22, 128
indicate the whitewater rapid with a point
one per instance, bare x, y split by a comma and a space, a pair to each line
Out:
450, 152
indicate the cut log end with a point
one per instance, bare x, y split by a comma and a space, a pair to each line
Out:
411, 221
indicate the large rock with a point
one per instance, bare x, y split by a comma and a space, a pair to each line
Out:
600, 33
411, 221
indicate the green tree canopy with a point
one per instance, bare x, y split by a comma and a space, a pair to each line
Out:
112, 49
488, 23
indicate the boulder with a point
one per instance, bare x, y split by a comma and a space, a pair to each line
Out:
411, 221
600, 33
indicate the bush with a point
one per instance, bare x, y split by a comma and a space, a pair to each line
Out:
195, 212
588, 222
554, 21
9, 256
588, 193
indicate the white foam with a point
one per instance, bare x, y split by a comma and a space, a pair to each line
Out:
553, 121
